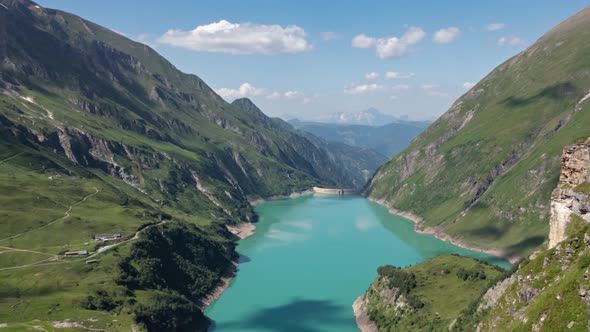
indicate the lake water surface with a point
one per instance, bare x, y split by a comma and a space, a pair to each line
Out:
311, 257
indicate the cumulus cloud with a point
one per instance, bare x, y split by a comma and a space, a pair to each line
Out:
248, 90
371, 75
445, 36
398, 75
239, 38
495, 26
363, 88
329, 35
468, 85
290, 95
391, 47
363, 41
245, 90
293, 94
511, 41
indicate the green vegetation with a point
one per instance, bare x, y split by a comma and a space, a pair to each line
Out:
555, 282
484, 171
100, 134
583, 187
435, 291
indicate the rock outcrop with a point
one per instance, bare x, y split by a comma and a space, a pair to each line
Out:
571, 194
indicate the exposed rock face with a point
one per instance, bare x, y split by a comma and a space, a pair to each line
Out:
360, 308
493, 294
383, 297
569, 196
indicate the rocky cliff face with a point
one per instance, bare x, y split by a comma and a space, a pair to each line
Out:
548, 293
572, 195
379, 299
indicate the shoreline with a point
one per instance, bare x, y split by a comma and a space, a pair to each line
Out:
439, 234
294, 194
361, 316
242, 231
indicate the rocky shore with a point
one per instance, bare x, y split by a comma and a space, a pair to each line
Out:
419, 227
360, 307
241, 231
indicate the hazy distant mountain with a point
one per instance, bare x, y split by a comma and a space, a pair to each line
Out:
389, 139
368, 117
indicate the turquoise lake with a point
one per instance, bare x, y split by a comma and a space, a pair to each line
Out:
311, 257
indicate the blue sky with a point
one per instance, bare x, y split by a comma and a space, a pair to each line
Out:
300, 56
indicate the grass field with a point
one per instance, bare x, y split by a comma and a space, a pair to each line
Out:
442, 290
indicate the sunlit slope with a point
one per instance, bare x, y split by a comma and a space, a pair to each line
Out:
484, 171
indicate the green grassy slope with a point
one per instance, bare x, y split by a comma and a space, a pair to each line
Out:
484, 171
444, 287
100, 134
549, 292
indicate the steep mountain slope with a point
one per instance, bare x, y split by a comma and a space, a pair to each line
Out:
388, 139
551, 291
101, 135
409, 299
349, 164
483, 173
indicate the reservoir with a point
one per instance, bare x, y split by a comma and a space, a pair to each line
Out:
311, 257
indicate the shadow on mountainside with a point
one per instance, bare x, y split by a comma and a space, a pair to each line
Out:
555, 91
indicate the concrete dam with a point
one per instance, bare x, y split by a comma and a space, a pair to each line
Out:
335, 191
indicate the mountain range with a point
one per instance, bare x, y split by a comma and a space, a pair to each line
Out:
101, 135
388, 139
368, 117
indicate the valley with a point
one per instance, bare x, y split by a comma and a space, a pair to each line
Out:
135, 196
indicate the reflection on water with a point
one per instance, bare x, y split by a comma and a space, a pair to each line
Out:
311, 257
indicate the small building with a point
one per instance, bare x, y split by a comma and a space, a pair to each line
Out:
76, 253
107, 237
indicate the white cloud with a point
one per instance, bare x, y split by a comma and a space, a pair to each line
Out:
329, 35
391, 47
274, 95
393, 97
445, 36
398, 75
245, 90
495, 26
363, 41
371, 75
438, 94
363, 88
396, 47
239, 38
290, 95
429, 86
512, 41
468, 85
293, 94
